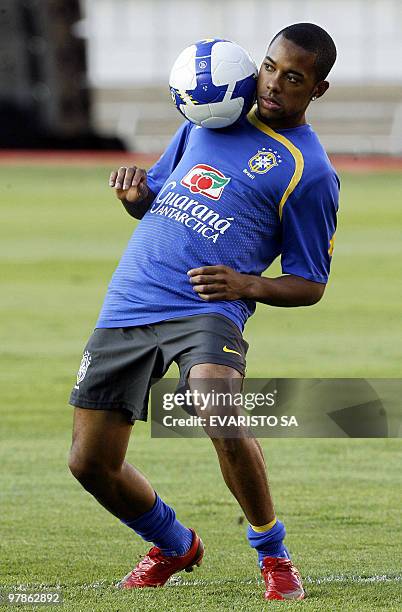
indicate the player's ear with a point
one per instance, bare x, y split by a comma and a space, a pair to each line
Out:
319, 90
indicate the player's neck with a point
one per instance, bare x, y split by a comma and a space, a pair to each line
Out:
283, 123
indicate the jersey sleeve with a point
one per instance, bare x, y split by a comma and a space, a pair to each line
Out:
163, 168
308, 228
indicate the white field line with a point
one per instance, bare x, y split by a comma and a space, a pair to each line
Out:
179, 581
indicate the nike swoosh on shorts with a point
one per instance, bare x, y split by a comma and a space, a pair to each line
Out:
228, 350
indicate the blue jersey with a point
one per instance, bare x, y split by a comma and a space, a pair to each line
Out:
239, 196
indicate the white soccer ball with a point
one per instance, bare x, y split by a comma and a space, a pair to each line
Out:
213, 83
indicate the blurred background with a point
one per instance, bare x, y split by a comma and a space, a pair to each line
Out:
83, 90
92, 74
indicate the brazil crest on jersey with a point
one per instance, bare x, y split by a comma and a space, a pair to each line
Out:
239, 196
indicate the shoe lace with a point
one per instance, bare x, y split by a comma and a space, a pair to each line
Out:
276, 566
154, 557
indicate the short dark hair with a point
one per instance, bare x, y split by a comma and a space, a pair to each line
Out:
314, 39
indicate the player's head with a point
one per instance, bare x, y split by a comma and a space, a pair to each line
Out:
314, 39
293, 73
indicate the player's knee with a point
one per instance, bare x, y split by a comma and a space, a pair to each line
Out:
86, 470
228, 447
77, 466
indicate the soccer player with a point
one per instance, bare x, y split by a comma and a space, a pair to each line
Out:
185, 286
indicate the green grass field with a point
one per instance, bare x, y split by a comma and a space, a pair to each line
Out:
61, 235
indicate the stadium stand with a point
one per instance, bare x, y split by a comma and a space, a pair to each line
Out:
350, 119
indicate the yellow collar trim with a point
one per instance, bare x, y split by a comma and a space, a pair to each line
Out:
294, 151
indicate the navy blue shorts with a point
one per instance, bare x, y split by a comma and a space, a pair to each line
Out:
119, 365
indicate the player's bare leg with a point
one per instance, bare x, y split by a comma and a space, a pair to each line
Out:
243, 468
100, 440
97, 460
241, 459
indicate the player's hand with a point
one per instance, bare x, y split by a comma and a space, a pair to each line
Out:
130, 183
219, 283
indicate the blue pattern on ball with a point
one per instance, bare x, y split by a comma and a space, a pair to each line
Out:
206, 92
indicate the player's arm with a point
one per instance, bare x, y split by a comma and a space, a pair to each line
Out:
288, 290
131, 189
308, 228
223, 283
136, 188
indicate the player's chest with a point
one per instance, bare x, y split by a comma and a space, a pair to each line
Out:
259, 170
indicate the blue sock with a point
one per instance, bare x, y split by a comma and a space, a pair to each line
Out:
268, 543
159, 525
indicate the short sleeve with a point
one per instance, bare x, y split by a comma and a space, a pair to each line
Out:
308, 229
163, 168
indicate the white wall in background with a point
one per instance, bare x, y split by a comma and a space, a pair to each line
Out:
136, 41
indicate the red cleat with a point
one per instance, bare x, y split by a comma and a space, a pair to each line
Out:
282, 579
155, 568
